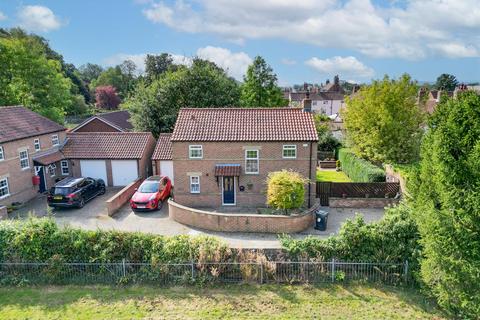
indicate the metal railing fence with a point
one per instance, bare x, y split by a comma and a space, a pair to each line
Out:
194, 272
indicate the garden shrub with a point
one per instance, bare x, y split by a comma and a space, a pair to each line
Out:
40, 240
359, 170
286, 190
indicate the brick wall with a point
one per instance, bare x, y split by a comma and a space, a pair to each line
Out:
240, 222
3, 212
20, 181
361, 202
270, 154
145, 163
97, 125
122, 197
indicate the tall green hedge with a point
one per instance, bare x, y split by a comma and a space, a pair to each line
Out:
39, 240
359, 170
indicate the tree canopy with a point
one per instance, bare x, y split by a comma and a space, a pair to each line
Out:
156, 65
446, 82
260, 87
154, 106
448, 205
383, 121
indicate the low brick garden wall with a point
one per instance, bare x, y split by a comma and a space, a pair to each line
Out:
362, 202
3, 212
122, 197
327, 164
240, 222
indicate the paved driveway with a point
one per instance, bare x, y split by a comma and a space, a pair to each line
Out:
94, 216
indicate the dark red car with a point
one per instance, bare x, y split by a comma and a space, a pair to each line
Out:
151, 194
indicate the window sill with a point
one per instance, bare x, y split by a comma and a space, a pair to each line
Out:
5, 196
26, 168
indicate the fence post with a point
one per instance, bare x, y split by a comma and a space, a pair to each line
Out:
261, 273
193, 271
405, 271
123, 268
333, 270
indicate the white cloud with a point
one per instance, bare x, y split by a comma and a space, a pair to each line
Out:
2, 16
234, 63
289, 62
38, 19
412, 29
343, 66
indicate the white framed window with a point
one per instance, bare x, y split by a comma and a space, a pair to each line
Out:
55, 141
194, 184
251, 161
36, 144
2, 154
24, 163
195, 152
64, 167
52, 170
4, 191
289, 151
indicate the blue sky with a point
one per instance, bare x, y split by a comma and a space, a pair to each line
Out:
308, 40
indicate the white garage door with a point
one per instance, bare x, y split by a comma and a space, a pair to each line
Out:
166, 169
124, 172
94, 169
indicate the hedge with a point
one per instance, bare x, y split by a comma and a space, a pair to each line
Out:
39, 240
359, 170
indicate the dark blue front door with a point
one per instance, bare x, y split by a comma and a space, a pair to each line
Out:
228, 190
42, 187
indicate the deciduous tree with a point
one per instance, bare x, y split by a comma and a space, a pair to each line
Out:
446, 82
383, 121
107, 97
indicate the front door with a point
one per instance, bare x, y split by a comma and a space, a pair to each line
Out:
228, 190
40, 171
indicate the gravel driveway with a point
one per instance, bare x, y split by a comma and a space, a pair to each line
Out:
94, 216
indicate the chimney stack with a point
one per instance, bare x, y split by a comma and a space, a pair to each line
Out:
307, 102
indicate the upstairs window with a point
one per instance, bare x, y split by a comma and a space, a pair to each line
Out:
195, 152
4, 191
290, 151
64, 167
194, 184
2, 154
24, 163
55, 141
36, 144
251, 161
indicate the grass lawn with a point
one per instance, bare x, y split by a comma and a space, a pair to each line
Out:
226, 302
332, 175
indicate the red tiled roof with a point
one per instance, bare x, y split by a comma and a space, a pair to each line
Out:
18, 122
106, 145
49, 158
227, 170
244, 124
163, 149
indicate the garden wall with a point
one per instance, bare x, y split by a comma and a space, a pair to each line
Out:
3, 212
122, 196
240, 222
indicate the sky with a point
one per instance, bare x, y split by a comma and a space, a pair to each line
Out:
303, 40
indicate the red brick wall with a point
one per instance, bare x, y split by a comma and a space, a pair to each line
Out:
240, 222
20, 181
145, 163
270, 154
122, 197
97, 125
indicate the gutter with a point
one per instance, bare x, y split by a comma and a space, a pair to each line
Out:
310, 176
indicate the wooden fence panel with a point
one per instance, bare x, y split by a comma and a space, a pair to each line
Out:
323, 192
356, 190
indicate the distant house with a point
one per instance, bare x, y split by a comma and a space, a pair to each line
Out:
162, 162
328, 103
433, 98
221, 157
118, 158
117, 121
29, 145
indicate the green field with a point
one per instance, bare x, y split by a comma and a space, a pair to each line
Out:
227, 302
332, 175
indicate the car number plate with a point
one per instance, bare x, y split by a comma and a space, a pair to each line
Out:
140, 207
58, 197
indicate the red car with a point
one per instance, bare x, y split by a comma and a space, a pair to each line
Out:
151, 194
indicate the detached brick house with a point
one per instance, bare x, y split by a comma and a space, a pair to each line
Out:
29, 146
118, 158
117, 121
221, 157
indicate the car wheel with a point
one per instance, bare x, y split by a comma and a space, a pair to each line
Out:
159, 205
102, 191
81, 204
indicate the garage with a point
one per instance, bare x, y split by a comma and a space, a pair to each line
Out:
94, 169
166, 169
124, 172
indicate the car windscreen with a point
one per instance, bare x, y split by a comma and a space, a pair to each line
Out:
149, 187
63, 191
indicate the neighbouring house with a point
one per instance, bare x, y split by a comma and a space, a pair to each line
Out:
222, 156
30, 161
117, 121
118, 158
162, 162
